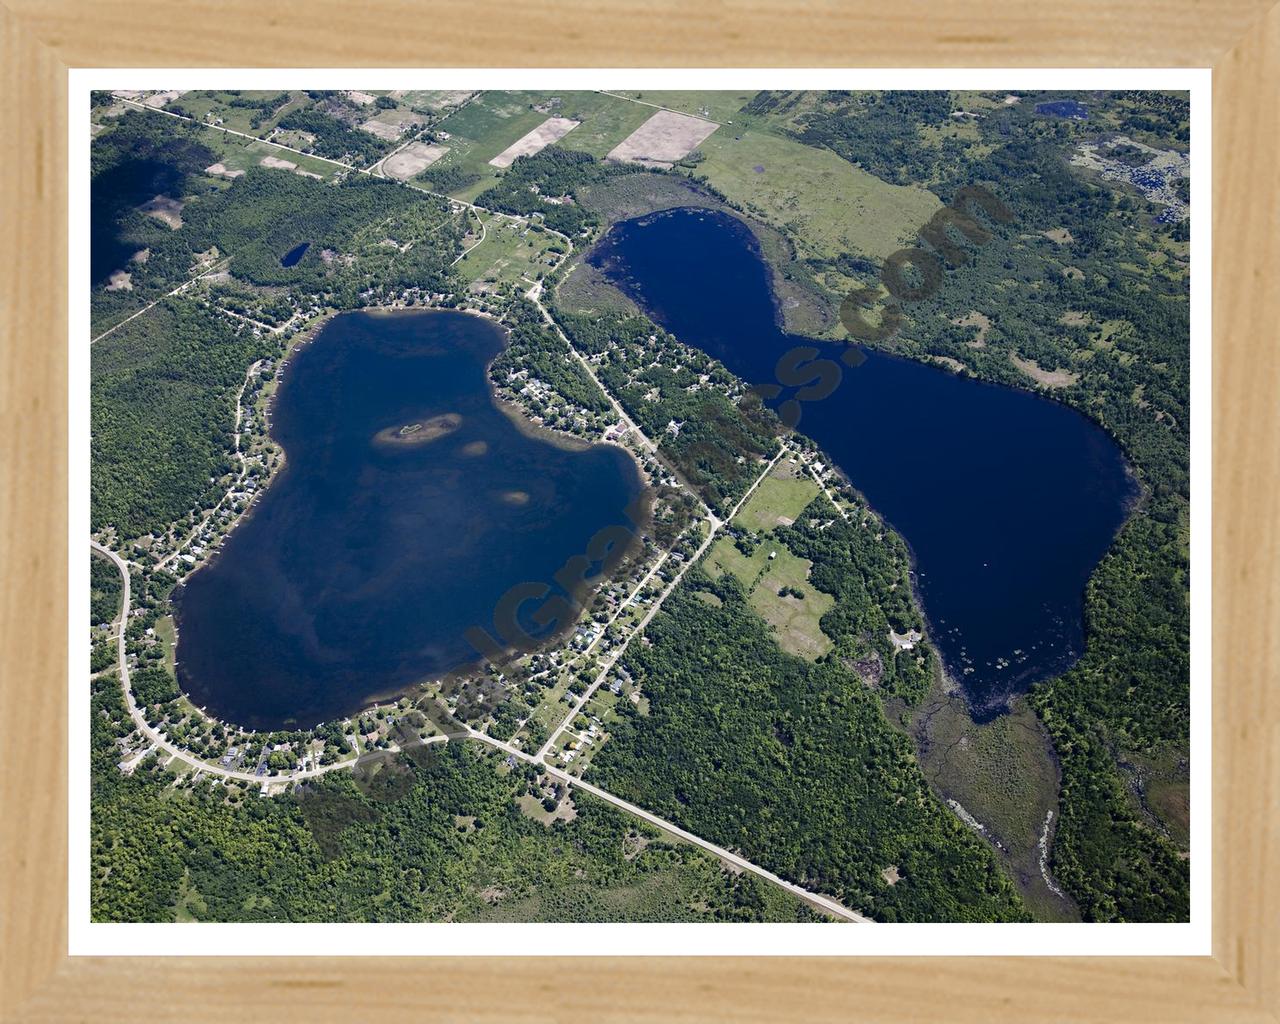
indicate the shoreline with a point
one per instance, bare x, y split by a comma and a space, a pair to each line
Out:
518, 417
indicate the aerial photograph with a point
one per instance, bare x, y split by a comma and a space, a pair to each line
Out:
638, 506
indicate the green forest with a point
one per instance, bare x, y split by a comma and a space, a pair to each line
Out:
163, 390
1081, 294
437, 836
1085, 278
793, 764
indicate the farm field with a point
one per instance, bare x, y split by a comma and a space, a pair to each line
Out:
664, 139
491, 124
552, 129
831, 207
476, 134
782, 495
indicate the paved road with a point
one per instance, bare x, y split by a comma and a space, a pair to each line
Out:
165, 562
716, 525
535, 296
221, 266
158, 738
813, 898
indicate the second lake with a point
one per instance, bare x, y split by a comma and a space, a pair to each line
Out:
1008, 500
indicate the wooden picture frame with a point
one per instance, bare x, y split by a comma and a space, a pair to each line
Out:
41, 39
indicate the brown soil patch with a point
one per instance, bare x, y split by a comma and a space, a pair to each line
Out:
1047, 378
1073, 273
975, 319
890, 875
220, 169
1060, 235
412, 160
1073, 318
166, 210
540, 138
159, 99
275, 161
359, 98
120, 281
947, 361
382, 130
663, 139
141, 256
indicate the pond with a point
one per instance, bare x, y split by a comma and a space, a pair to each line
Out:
1064, 108
1008, 500
409, 504
292, 257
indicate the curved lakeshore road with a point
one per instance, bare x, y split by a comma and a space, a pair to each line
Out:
161, 742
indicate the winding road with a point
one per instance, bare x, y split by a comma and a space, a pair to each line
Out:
161, 742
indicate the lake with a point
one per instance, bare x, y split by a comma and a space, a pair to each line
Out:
409, 503
1007, 499
292, 257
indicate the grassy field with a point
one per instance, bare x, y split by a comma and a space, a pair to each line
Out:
771, 568
166, 635
201, 103
794, 620
483, 129
237, 154
783, 494
717, 104
828, 205
511, 253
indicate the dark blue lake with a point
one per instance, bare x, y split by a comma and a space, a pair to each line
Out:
292, 257
1008, 500
1063, 108
408, 505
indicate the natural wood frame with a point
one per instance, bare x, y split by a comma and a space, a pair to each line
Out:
40, 39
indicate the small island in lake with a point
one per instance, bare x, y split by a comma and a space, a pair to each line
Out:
420, 431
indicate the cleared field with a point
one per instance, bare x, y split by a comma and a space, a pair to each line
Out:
413, 159
164, 209
431, 99
237, 155
216, 107
779, 499
540, 138
831, 206
382, 130
511, 253
795, 620
663, 139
